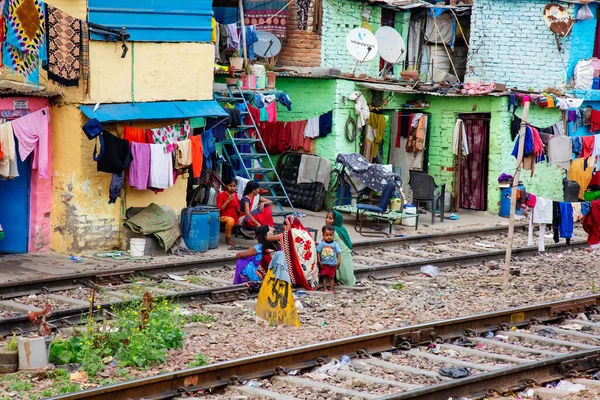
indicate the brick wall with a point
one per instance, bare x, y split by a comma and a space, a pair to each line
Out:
302, 48
511, 44
339, 18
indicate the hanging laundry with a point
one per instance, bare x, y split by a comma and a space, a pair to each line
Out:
595, 121
25, 65
587, 147
214, 25
197, 155
325, 124
116, 187
416, 138
251, 38
314, 169
285, 101
26, 21
218, 128
312, 128
271, 112
361, 108
161, 167
235, 117
233, 39
208, 148
302, 7
576, 145
32, 133
577, 215
460, 133
64, 47
271, 16
116, 156
168, 136
183, 154
379, 131
591, 223
85, 56
581, 171
139, 168
8, 163
560, 151
565, 228
296, 133
135, 135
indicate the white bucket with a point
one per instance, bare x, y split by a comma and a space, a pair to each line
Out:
137, 247
32, 353
409, 221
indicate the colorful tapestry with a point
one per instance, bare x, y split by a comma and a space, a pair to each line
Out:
26, 65
25, 25
268, 16
64, 47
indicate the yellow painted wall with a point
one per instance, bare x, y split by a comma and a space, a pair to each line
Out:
162, 71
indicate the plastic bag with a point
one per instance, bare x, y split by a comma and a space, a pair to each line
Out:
454, 372
584, 13
430, 270
583, 75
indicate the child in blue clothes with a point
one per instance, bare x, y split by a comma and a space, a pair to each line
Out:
329, 256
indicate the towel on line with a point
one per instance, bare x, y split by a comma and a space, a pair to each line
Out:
314, 169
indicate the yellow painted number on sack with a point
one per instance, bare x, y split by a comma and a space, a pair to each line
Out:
275, 302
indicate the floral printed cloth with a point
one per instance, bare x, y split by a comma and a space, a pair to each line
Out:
168, 136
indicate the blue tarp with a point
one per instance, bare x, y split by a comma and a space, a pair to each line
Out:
154, 110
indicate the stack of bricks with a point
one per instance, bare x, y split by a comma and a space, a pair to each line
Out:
302, 48
511, 44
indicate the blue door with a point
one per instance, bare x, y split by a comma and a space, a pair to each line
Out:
14, 210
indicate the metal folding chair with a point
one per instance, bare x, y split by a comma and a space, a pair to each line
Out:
381, 209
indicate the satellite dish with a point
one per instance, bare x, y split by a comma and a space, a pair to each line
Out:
558, 19
268, 45
391, 44
361, 44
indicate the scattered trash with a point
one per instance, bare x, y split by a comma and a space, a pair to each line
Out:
299, 305
570, 387
76, 258
300, 214
300, 292
176, 277
572, 327
453, 217
501, 338
463, 342
430, 270
489, 335
546, 332
454, 372
32, 296
333, 366
400, 235
386, 355
596, 376
253, 383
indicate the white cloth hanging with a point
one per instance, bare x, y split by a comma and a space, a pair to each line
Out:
161, 167
460, 132
361, 108
8, 163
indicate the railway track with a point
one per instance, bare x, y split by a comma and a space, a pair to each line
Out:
208, 281
500, 353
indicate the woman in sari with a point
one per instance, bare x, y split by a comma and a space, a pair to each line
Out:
300, 253
252, 264
256, 210
345, 272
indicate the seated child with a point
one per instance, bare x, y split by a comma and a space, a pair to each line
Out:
329, 257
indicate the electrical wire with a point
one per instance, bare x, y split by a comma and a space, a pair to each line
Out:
351, 133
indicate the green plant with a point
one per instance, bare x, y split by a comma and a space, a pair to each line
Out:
68, 388
20, 385
196, 280
398, 286
271, 62
12, 343
199, 360
200, 318
140, 335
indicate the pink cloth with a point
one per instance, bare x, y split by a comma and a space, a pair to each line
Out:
272, 111
32, 133
139, 169
532, 201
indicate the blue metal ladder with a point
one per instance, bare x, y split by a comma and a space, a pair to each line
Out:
266, 175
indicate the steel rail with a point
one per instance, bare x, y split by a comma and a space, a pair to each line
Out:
241, 292
68, 281
169, 385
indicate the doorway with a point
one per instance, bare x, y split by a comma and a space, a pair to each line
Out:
14, 201
474, 167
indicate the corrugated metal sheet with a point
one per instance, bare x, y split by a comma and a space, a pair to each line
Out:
153, 111
155, 20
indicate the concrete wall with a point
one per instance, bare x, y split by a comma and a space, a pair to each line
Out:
512, 44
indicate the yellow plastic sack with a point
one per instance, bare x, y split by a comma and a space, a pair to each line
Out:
275, 302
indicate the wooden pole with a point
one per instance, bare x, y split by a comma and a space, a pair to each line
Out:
241, 7
513, 196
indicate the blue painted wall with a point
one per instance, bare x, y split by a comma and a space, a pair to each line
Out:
582, 40
155, 20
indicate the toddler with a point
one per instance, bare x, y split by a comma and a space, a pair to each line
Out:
329, 257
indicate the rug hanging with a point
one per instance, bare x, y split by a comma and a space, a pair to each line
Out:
268, 16
25, 25
23, 64
85, 56
64, 47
